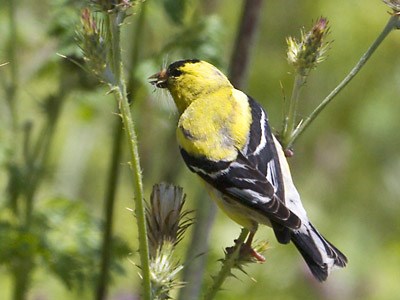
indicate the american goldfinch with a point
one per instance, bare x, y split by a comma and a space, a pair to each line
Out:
224, 137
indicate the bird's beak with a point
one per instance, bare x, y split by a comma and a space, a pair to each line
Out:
159, 79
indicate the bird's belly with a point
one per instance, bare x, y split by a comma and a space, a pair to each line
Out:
244, 216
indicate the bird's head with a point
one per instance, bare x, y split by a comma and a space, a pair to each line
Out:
189, 80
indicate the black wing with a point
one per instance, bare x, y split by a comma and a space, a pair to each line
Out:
262, 153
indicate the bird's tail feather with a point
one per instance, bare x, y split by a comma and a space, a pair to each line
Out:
320, 255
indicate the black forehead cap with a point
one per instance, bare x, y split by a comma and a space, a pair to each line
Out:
176, 65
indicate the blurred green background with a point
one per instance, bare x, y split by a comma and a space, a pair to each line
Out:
346, 165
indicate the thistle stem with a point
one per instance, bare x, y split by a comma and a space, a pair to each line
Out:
393, 23
115, 167
114, 21
290, 120
227, 265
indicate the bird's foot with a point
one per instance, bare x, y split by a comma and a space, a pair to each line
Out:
247, 253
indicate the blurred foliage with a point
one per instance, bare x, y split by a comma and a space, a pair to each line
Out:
346, 166
71, 257
177, 10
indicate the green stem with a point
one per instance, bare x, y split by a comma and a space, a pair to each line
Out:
112, 180
290, 119
114, 21
12, 88
115, 166
392, 24
228, 264
22, 279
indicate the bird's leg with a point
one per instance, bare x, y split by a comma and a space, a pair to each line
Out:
247, 249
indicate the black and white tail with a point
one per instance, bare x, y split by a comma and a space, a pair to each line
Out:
320, 255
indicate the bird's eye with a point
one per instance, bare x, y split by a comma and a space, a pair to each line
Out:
175, 72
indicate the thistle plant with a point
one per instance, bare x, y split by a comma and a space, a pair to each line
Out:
303, 55
236, 257
99, 39
166, 223
393, 4
91, 40
290, 131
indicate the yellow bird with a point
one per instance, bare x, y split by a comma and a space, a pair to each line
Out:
224, 137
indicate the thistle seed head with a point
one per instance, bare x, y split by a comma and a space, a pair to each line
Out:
91, 39
393, 4
305, 54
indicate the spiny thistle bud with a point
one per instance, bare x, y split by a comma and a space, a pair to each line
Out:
166, 224
166, 221
163, 273
88, 23
393, 4
91, 39
305, 54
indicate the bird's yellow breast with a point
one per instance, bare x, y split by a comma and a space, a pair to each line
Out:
215, 126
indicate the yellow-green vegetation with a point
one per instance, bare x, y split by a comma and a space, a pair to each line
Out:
68, 171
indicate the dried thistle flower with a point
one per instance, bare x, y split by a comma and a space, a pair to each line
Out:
305, 54
166, 221
393, 4
166, 224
